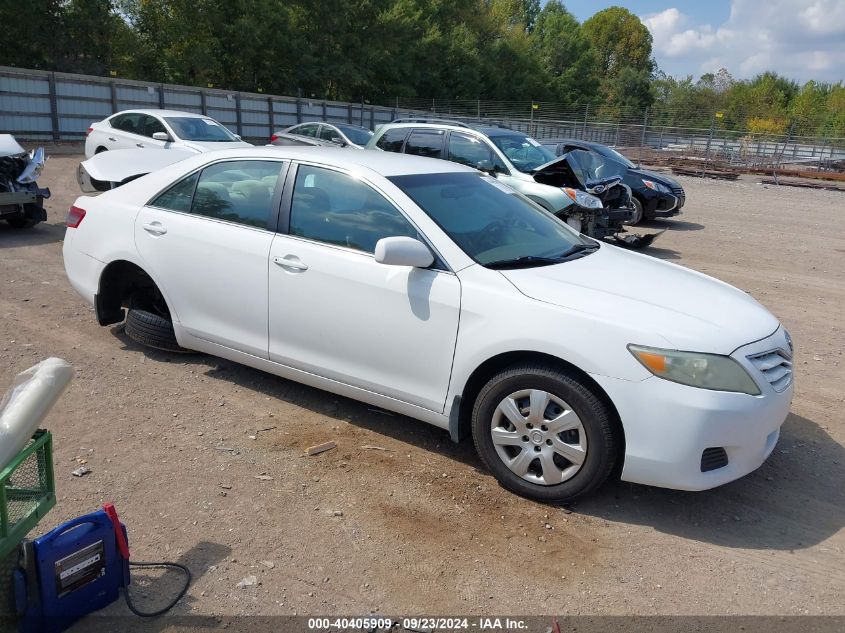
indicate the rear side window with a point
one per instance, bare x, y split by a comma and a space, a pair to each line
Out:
425, 143
130, 122
391, 140
306, 130
179, 196
237, 191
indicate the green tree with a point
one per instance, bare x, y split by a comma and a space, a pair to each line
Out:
565, 54
30, 30
620, 40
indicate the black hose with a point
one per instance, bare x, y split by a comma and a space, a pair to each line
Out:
173, 602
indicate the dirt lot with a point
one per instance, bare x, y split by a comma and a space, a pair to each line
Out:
419, 527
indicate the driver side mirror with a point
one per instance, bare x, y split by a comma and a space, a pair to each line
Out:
403, 251
161, 136
338, 140
486, 166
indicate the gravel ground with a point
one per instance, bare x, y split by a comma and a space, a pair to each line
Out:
204, 458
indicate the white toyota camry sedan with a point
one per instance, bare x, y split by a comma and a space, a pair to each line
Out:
430, 289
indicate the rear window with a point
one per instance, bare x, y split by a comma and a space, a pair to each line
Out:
425, 143
391, 140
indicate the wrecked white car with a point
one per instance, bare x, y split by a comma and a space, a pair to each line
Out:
21, 199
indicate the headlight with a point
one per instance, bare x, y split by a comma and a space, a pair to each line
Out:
706, 371
789, 342
583, 199
657, 186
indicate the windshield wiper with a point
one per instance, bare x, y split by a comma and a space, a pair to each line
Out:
526, 261
577, 248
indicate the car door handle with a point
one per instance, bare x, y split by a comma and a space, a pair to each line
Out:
155, 228
113, 139
139, 145
293, 264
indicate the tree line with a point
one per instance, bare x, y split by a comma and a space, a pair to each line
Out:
381, 50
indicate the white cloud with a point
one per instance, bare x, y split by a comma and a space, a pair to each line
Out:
795, 38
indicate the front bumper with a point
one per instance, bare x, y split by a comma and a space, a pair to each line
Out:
657, 204
668, 426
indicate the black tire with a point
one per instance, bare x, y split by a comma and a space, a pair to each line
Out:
638, 212
100, 150
151, 329
21, 223
603, 438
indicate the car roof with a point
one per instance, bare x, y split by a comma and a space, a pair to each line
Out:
484, 130
384, 163
157, 112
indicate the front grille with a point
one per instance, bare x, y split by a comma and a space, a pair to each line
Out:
678, 192
713, 458
776, 368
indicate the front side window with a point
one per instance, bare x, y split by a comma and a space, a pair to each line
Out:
328, 133
335, 208
199, 129
469, 150
425, 143
391, 140
491, 222
524, 152
356, 134
237, 191
150, 125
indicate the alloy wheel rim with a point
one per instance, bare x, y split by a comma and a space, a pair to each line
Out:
539, 437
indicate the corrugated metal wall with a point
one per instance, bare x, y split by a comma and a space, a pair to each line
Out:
38, 105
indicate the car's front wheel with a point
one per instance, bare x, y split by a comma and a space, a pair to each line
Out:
638, 212
543, 433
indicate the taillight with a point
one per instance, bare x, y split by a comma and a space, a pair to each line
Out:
74, 217
88, 131
275, 137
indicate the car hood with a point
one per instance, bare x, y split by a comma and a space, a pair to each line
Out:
201, 146
656, 176
558, 173
9, 146
687, 309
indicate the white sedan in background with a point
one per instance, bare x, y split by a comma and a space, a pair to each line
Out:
427, 288
159, 129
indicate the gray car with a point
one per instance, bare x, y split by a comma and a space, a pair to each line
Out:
513, 158
343, 134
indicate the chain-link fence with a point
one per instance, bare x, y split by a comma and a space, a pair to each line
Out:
39, 105
653, 135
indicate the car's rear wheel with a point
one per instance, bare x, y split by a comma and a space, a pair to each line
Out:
149, 324
543, 433
100, 150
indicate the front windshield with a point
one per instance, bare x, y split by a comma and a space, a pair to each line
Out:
357, 135
524, 152
490, 221
590, 166
197, 129
614, 155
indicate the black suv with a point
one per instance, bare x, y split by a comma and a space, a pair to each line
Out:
655, 195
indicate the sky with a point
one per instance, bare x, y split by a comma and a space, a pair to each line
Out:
800, 39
